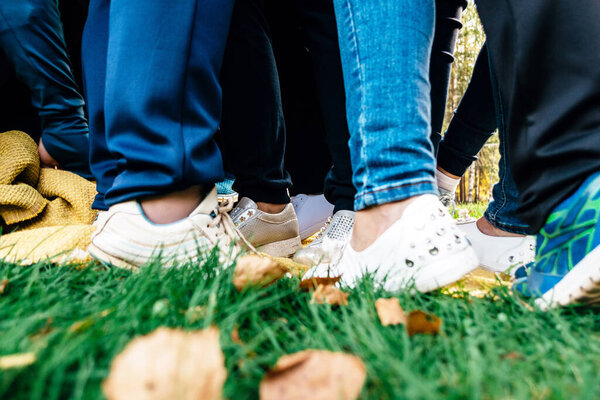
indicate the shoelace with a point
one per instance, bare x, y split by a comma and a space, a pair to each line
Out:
225, 225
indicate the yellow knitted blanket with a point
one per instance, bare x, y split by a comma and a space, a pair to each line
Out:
46, 214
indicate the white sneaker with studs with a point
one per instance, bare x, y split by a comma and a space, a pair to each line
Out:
423, 251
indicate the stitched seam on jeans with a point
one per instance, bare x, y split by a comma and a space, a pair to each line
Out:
394, 188
360, 78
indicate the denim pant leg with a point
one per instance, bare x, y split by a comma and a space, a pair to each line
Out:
385, 47
163, 97
94, 46
32, 38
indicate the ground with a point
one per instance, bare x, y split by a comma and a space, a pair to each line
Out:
77, 319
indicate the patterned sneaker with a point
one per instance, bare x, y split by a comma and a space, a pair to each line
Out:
330, 242
423, 250
274, 234
313, 211
499, 254
225, 191
125, 238
567, 265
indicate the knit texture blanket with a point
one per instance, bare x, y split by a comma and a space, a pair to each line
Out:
46, 214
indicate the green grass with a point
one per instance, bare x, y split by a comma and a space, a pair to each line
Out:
494, 348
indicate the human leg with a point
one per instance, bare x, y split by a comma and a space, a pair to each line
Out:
161, 130
94, 49
388, 108
253, 133
554, 131
32, 38
447, 25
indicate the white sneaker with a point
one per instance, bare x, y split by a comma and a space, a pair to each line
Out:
499, 254
330, 242
312, 211
423, 250
125, 238
274, 234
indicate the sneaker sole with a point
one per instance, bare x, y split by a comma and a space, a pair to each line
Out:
283, 248
106, 258
447, 271
580, 285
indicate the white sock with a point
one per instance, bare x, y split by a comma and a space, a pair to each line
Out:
445, 182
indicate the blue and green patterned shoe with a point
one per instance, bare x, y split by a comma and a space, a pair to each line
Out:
567, 266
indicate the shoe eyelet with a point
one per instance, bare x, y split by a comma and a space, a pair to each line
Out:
511, 259
213, 214
457, 239
409, 263
441, 232
434, 251
442, 213
428, 241
412, 245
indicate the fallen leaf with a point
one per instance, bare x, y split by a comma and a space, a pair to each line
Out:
85, 324
235, 336
315, 375
45, 330
194, 314
419, 322
390, 312
3, 285
168, 364
513, 356
256, 270
17, 360
313, 283
330, 295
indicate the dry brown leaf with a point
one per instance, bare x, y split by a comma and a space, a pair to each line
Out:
513, 356
169, 364
235, 336
256, 270
45, 330
17, 360
315, 375
390, 312
420, 322
3, 285
313, 283
327, 294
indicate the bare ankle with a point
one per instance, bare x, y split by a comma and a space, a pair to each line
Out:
372, 222
172, 207
488, 229
270, 208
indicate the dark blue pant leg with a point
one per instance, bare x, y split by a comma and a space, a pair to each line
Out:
93, 53
163, 98
32, 38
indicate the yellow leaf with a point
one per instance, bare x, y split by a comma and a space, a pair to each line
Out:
17, 360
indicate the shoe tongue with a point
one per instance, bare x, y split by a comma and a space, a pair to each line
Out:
209, 204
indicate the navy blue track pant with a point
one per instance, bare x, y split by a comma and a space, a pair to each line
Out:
151, 71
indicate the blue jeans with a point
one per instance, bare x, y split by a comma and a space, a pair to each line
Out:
155, 98
32, 39
385, 47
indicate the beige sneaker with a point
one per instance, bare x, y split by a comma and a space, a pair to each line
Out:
277, 235
125, 238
